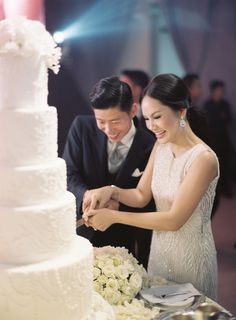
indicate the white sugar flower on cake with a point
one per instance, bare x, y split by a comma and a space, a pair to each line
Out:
27, 38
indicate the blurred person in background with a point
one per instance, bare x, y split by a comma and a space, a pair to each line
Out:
137, 80
218, 113
193, 82
200, 126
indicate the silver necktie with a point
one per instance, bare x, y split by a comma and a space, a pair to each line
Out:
115, 158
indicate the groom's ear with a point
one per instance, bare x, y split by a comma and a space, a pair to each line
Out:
134, 110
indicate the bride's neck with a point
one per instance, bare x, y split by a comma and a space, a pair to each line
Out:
184, 141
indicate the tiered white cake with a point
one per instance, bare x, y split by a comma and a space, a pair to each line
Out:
45, 269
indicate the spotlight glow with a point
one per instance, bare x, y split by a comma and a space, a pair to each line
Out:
104, 17
59, 36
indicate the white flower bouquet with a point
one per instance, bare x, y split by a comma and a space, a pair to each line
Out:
23, 37
117, 276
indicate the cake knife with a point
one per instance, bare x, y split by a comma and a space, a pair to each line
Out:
80, 222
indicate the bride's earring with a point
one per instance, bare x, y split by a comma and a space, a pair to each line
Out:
182, 123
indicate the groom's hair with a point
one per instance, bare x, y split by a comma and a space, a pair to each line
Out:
111, 93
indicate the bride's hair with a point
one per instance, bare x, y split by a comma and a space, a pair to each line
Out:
173, 92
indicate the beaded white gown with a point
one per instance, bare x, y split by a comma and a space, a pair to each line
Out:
188, 254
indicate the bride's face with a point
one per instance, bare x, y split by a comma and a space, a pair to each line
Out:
161, 119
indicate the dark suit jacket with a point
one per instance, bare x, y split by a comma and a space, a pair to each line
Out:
85, 154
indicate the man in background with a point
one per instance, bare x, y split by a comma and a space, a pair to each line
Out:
218, 113
193, 82
137, 80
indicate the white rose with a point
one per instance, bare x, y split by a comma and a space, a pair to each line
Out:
124, 298
97, 286
135, 281
108, 270
117, 260
96, 273
111, 296
121, 272
122, 282
100, 264
102, 279
129, 266
113, 284
127, 290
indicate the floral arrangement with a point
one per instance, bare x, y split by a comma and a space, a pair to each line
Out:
25, 38
117, 276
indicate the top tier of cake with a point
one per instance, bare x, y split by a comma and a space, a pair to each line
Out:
27, 50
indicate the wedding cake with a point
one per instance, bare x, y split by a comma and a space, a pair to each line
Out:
45, 269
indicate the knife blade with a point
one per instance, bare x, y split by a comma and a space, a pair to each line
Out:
80, 222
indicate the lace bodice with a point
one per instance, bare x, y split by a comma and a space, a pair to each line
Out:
188, 254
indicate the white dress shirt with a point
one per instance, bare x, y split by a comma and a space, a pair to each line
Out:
126, 143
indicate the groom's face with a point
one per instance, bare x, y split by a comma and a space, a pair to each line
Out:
114, 122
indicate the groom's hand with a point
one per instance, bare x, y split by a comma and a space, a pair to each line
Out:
97, 198
112, 204
100, 219
91, 200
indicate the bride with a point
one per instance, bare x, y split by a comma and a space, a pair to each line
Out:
181, 175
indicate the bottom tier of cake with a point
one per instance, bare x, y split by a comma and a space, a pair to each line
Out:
57, 289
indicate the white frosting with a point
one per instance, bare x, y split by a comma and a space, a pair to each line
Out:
28, 136
30, 185
45, 270
30, 75
33, 234
27, 50
57, 289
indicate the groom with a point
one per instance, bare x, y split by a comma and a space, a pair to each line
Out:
110, 148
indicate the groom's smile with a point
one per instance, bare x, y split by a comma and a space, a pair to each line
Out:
114, 122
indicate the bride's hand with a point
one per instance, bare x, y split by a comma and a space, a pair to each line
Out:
96, 198
111, 204
100, 219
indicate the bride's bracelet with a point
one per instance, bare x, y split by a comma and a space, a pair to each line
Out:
117, 197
